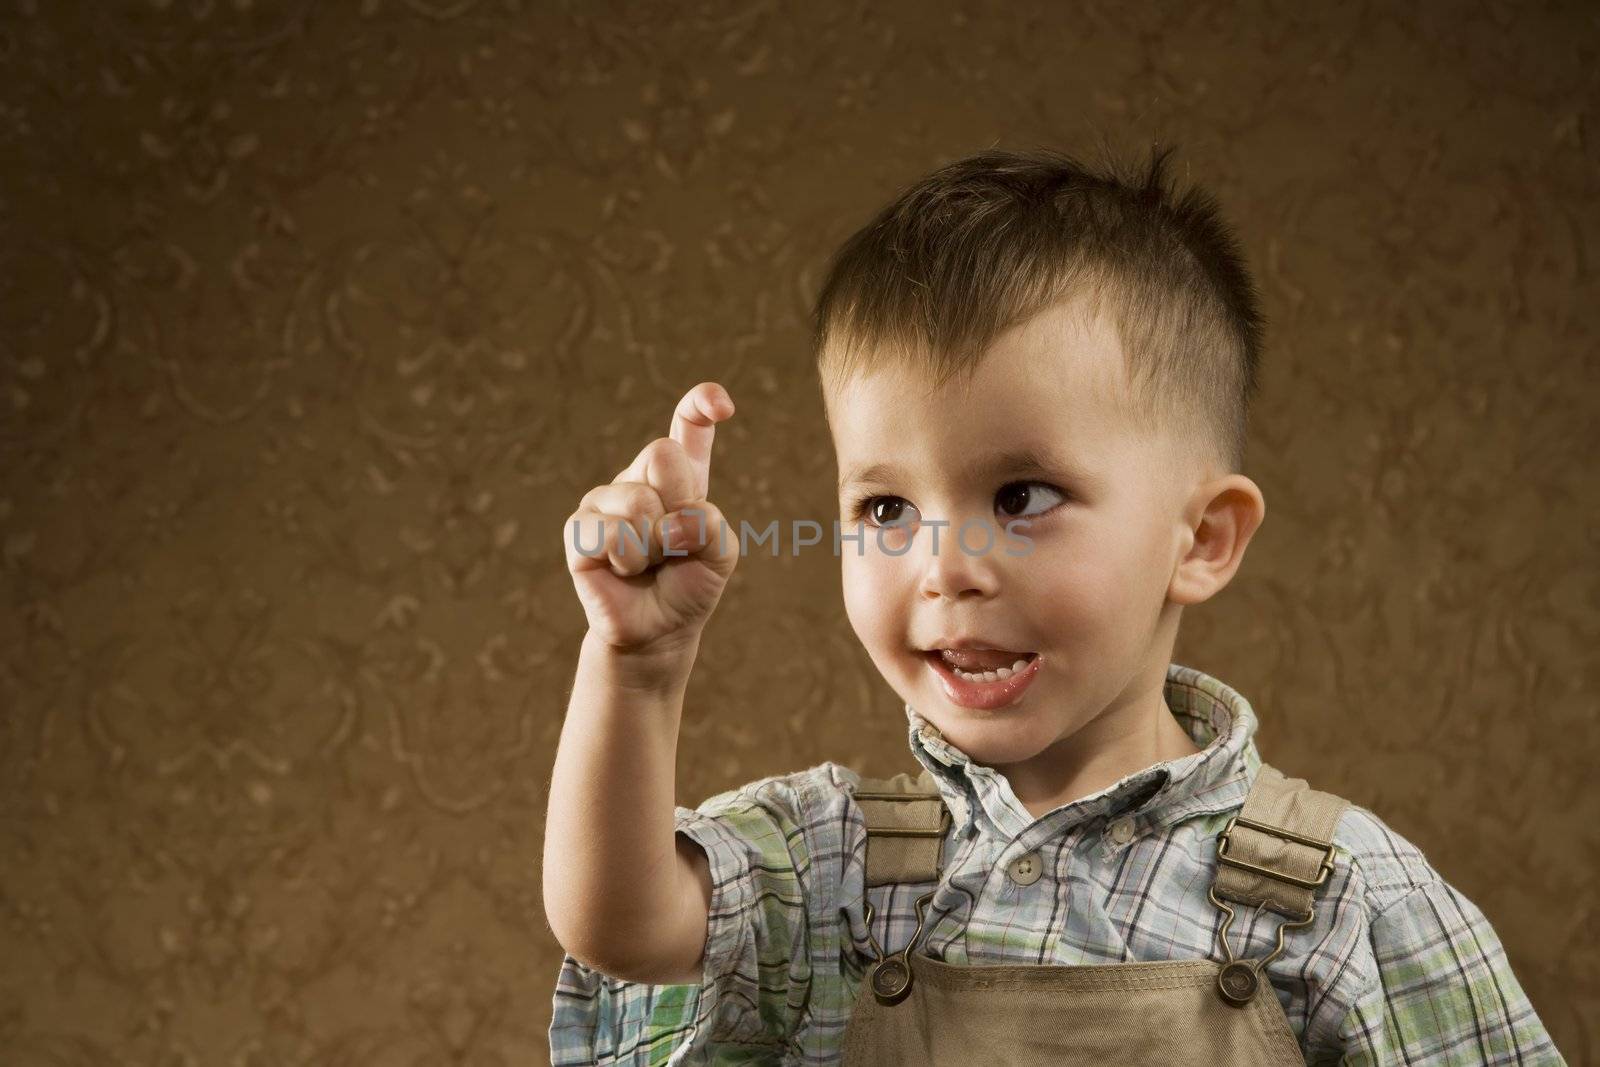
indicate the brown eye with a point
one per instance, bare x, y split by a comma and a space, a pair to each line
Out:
885, 509
1019, 495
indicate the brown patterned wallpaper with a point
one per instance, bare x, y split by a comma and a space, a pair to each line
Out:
319, 318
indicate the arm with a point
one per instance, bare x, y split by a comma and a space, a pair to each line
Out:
1443, 991
776, 849
622, 891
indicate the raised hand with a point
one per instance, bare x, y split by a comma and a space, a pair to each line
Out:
655, 587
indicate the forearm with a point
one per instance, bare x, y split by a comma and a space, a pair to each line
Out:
611, 870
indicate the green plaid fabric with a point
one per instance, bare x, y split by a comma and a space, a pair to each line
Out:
1398, 966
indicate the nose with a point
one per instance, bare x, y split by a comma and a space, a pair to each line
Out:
960, 566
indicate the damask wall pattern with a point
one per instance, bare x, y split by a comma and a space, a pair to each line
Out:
317, 320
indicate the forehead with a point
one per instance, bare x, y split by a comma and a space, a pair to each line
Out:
1054, 384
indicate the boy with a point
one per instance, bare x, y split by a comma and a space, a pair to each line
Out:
1020, 343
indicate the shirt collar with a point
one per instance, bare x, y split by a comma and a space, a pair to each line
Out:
1218, 718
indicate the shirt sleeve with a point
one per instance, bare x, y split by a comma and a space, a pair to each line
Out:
1443, 990
765, 842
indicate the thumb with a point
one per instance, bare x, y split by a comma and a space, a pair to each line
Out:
699, 530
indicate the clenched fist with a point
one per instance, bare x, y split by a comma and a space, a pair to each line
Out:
655, 587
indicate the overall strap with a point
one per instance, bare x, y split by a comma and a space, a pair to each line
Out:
906, 824
1278, 849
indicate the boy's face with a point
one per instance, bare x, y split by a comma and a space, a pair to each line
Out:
1108, 531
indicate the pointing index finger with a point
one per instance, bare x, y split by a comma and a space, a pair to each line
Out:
694, 426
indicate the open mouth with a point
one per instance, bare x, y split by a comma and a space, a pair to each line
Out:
983, 679
983, 665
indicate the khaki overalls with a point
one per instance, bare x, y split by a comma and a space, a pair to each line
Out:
913, 1009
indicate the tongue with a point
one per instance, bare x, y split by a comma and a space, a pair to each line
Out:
974, 660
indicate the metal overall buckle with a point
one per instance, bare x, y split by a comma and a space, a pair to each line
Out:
890, 977
1239, 979
1327, 847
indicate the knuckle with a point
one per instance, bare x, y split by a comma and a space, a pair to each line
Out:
643, 499
661, 448
627, 539
614, 535
579, 524
702, 511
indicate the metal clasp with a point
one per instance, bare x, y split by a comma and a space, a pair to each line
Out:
1274, 831
890, 977
1239, 979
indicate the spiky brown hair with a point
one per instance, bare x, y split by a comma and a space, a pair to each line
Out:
984, 243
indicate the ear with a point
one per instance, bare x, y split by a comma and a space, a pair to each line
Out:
1221, 517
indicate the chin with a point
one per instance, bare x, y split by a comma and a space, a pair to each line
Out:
991, 741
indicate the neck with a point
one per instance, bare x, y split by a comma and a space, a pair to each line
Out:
1140, 731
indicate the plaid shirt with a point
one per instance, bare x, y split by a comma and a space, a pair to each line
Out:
1397, 967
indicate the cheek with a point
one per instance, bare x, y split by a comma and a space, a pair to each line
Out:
1083, 583
1113, 581
868, 601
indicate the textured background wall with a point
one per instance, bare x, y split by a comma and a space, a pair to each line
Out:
317, 319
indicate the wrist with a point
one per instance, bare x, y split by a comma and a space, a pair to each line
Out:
658, 670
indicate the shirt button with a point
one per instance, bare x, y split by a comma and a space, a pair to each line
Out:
1026, 868
1122, 831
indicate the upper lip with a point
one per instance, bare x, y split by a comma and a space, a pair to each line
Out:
975, 644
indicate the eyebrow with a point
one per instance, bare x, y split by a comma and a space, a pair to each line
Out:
1012, 461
